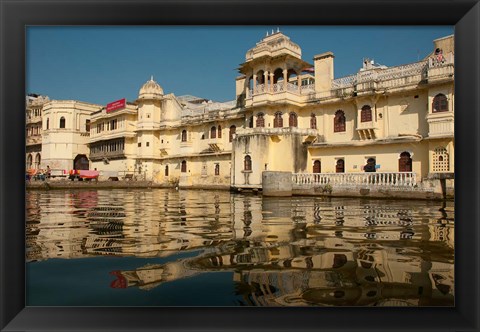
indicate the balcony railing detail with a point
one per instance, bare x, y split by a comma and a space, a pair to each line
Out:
395, 179
277, 131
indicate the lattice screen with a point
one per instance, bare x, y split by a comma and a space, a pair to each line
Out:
440, 160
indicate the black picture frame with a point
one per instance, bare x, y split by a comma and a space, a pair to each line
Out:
16, 15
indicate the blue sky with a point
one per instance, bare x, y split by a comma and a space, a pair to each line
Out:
104, 64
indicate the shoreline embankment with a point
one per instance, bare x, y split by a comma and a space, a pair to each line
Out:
384, 193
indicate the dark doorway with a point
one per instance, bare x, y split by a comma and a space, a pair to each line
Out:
81, 162
370, 166
340, 166
317, 166
405, 162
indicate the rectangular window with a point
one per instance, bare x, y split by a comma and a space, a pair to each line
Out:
148, 143
139, 145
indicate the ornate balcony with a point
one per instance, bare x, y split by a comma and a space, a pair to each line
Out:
264, 93
33, 140
95, 156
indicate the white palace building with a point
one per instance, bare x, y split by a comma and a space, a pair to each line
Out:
391, 126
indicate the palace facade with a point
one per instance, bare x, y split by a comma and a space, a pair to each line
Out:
289, 116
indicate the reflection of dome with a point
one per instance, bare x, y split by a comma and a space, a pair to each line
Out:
151, 89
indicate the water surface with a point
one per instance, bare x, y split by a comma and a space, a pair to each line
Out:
214, 248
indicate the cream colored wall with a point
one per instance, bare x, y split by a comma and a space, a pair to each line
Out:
404, 114
194, 174
257, 147
328, 115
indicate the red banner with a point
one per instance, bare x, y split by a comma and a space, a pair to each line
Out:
116, 105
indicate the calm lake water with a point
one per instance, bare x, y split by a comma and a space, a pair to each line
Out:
214, 248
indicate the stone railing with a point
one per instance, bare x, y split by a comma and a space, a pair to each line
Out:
394, 179
417, 69
277, 131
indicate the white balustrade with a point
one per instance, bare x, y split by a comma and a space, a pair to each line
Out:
260, 88
395, 179
292, 87
306, 89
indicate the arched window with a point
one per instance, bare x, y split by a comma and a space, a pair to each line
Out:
340, 166
247, 163
217, 169
370, 166
87, 126
213, 132
184, 135
278, 76
260, 77
278, 121
233, 129
317, 166
37, 161
29, 161
313, 121
260, 120
292, 120
184, 166
366, 114
219, 131
440, 103
48, 123
166, 170
405, 162
339, 121
62, 122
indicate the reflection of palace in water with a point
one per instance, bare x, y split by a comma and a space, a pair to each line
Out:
282, 251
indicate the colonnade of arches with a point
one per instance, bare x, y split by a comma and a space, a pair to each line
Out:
33, 160
273, 81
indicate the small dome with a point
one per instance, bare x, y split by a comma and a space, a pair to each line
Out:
151, 89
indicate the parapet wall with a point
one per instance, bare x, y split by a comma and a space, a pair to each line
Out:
277, 183
280, 184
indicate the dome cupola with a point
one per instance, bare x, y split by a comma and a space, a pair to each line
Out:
150, 90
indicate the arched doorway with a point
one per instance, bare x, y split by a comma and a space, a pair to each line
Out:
340, 166
317, 166
405, 162
81, 162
